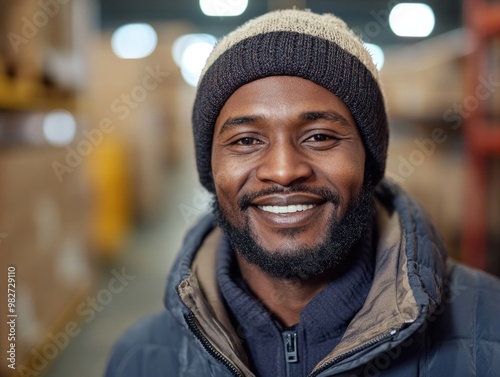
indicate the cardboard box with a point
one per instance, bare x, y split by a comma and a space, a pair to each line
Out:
44, 238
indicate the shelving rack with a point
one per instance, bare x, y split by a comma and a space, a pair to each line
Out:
27, 94
481, 134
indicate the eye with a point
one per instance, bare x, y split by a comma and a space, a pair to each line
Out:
321, 141
319, 137
246, 141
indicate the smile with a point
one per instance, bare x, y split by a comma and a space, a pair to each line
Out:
287, 209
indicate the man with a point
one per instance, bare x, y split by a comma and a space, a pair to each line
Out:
311, 264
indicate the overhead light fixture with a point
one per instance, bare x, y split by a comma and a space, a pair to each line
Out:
190, 53
377, 54
134, 41
412, 20
59, 127
223, 8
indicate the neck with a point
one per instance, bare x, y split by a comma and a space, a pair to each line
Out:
283, 297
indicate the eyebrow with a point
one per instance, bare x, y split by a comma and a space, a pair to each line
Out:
331, 116
238, 121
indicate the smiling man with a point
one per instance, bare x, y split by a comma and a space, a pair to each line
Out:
288, 164
311, 264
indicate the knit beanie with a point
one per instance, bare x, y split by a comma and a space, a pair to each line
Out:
320, 48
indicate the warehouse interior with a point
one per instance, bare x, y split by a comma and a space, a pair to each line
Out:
98, 183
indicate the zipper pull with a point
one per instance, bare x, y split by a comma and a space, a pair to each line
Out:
290, 339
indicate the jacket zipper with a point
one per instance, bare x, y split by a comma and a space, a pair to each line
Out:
290, 339
345, 355
291, 352
191, 322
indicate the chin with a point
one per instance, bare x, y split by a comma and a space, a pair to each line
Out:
286, 256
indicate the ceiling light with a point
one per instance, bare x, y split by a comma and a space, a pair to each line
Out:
59, 127
223, 8
412, 20
190, 53
134, 41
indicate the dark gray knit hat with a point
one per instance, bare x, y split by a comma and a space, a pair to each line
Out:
320, 48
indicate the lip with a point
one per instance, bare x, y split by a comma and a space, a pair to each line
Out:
287, 209
300, 219
288, 200
316, 205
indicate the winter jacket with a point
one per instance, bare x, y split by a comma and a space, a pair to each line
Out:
424, 315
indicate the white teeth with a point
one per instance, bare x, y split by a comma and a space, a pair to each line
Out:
287, 209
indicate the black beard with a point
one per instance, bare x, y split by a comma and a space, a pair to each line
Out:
306, 262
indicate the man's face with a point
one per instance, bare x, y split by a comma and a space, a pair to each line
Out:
288, 166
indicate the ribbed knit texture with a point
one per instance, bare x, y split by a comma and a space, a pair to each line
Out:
322, 322
327, 53
325, 26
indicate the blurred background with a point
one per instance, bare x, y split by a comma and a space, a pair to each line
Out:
97, 177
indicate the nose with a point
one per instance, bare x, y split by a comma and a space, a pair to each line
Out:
284, 164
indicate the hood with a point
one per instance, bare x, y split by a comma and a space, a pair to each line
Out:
181, 269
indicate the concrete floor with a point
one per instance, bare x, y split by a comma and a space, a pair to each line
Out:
148, 257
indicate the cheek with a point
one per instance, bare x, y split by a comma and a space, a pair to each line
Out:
229, 178
347, 174
354, 169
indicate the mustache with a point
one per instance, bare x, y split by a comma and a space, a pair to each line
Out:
246, 200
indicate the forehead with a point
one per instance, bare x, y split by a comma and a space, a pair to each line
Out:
276, 96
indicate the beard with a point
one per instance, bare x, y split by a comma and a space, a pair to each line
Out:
306, 262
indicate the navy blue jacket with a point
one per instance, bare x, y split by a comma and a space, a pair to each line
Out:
424, 315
